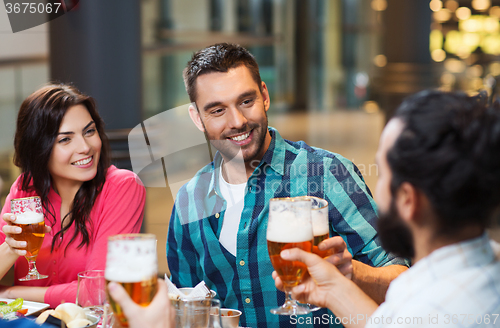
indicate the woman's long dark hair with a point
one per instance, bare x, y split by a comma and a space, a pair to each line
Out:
38, 124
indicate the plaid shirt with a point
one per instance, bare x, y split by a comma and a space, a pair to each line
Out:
244, 282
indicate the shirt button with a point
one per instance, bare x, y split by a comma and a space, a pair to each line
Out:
217, 215
54, 273
242, 263
250, 188
247, 300
54, 261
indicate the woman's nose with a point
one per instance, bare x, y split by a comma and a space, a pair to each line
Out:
83, 146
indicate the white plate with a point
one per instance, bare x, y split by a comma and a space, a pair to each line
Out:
33, 307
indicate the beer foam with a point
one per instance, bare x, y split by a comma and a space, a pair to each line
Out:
286, 227
131, 260
320, 222
29, 217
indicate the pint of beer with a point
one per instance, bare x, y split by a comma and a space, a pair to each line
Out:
321, 229
29, 217
289, 226
132, 262
33, 226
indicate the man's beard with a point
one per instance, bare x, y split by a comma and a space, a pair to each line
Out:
394, 234
230, 150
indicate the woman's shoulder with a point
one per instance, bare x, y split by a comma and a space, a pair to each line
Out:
16, 189
118, 176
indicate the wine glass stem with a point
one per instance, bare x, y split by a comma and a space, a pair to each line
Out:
32, 267
288, 300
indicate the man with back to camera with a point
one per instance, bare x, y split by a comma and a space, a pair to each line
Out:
218, 225
439, 172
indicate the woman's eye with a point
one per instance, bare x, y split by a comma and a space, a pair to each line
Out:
63, 140
90, 132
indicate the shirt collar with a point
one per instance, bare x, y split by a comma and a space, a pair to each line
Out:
275, 154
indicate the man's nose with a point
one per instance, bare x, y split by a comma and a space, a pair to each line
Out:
237, 119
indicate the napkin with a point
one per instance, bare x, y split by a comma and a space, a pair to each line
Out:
199, 291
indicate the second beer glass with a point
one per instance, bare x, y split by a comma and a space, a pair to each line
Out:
289, 226
132, 262
321, 226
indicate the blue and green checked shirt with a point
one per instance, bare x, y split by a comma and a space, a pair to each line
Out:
244, 282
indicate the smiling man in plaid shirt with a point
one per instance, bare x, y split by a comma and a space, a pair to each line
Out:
218, 225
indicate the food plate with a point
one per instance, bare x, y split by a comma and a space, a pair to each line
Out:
33, 307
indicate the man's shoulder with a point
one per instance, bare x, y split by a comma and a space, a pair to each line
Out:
314, 153
200, 182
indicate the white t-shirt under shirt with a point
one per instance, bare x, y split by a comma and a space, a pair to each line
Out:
234, 194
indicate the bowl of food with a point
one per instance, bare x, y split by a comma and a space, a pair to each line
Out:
230, 318
72, 315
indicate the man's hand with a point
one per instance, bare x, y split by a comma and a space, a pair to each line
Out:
158, 314
316, 288
340, 256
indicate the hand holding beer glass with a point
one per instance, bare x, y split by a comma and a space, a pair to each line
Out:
289, 226
132, 262
29, 217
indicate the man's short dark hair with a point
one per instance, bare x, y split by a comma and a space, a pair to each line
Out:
219, 57
450, 150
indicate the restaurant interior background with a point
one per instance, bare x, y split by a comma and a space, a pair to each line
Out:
335, 69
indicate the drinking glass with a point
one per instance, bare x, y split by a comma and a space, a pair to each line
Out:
29, 217
132, 262
197, 313
321, 230
320, 224
91, 295
289, 226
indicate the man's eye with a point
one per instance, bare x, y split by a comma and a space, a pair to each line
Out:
247, 102
217, 111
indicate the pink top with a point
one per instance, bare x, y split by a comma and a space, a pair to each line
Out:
119, 208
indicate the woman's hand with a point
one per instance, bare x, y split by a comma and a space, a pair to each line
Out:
10, 230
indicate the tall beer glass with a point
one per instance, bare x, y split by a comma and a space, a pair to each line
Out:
29, 217
321, 227
289, 226
132, 262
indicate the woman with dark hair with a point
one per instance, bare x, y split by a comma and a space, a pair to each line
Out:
64, 157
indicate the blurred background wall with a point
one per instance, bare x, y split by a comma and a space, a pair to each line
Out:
335, 69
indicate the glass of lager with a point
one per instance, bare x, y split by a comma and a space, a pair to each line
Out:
321, 228
132, 262
29, 217
289, 226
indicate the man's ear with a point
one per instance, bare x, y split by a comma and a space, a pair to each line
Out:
195, 117
407, 202
265, 96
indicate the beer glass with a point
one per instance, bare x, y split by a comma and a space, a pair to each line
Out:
132, 262
321, 230
289, 226
29, 217
321, 227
